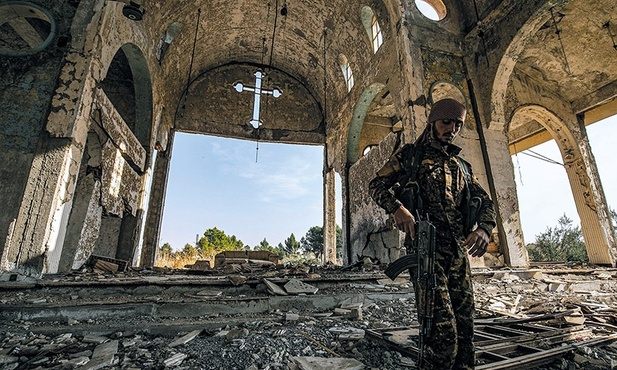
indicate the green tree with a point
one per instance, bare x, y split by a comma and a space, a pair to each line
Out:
189, 251
215, 241
313, 241
165, 251
561, 243
292, 246
265, 246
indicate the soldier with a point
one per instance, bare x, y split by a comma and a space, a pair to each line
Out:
444, 186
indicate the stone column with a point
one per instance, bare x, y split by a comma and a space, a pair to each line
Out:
329, 214
596, 225
36, 243
511, 241
152, 228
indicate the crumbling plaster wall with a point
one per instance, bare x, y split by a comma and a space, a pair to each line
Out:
372, 231
27, 84
36, 243
213, 106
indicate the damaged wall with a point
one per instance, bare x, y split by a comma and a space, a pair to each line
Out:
129, 84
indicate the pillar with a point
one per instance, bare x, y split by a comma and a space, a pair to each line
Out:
329, 215
154, 217
512, 243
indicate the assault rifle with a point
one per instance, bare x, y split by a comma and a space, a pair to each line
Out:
423, 261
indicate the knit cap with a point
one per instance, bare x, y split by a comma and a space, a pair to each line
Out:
447, 109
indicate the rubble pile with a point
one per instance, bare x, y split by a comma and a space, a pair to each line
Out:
579, 304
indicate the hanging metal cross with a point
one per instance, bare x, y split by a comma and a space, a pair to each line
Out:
255, 121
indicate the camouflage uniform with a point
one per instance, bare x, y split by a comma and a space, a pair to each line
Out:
442, 191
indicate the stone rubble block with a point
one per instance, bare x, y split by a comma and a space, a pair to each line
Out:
175, 360
295, 286
102, 356
274, 288
89, 338
584, 287
322, 363
347, 333
185, 339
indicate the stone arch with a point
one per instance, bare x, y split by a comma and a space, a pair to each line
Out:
581, 184
442, 90
509, 60
128, 86
359, 115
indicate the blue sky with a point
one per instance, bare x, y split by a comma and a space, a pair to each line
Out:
215, 182
543, 188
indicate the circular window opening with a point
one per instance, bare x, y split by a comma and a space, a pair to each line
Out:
25, 28
432, 9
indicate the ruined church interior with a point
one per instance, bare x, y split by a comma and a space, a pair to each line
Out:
92, 93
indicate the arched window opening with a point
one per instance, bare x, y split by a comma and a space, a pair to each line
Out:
347, 73
371, 25
377, 36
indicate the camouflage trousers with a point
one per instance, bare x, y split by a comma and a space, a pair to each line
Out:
450, 342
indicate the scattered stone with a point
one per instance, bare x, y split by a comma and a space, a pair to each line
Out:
321, 363
185, 339
237, 279
348, 333
273, 288
89, 338
295, 286
292, 317
6, 359
175, 360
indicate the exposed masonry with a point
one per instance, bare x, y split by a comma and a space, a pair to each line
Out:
104, 91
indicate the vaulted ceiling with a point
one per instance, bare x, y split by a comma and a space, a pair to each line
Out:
572, 55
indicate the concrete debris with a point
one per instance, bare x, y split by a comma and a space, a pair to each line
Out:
295, 286
237, 279
175, 360
141, 322
347, 333
273, 288
185, 339
201, 265
322, 363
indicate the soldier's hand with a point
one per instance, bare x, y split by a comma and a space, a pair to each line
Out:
476, 242
405, 221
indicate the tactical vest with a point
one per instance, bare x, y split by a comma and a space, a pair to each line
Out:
407, 189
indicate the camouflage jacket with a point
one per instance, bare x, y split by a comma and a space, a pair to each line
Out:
441, 188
